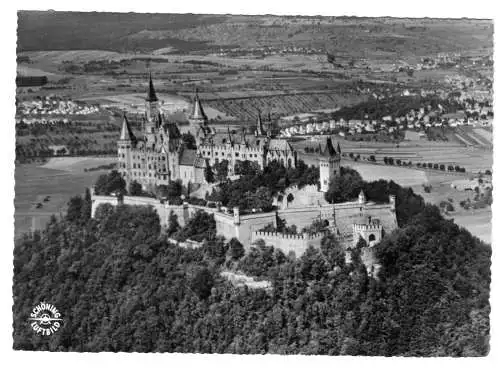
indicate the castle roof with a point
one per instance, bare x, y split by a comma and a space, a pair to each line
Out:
187, 157
172, 130
126, 133
151, 96
197, 111
279, 145
329, 150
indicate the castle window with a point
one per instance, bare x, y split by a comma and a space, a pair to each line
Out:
216, 153
236, 154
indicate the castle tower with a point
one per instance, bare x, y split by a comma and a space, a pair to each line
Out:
197, 119
152, 105
260, 128
329, 165
125, 144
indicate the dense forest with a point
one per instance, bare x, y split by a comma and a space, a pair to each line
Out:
121, 286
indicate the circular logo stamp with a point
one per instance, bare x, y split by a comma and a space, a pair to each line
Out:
45, 319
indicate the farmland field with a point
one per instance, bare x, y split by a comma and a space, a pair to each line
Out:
403, 176
59, 180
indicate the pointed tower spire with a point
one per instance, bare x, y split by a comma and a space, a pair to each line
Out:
229, 137
329, 149
151, 97
126, 133
260, 127
198, 113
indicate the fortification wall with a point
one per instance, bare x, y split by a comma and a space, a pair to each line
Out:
245, 227
253, 222
225, 223
289, 243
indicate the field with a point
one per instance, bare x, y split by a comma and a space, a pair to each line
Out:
403, 176
473, 159
477, 221
59, 180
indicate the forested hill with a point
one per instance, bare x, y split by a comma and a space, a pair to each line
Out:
121, 287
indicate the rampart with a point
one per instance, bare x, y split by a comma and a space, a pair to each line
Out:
245, 227
297, 243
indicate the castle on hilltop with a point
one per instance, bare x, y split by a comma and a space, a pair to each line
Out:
159, 155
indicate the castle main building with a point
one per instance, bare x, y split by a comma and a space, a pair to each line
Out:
159, 156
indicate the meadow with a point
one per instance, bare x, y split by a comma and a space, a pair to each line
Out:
50, 186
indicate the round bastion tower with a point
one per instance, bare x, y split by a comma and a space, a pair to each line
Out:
329, 165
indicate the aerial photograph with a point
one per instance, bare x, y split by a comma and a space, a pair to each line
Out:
253, 184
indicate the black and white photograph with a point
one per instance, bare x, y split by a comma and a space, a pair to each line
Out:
226, 183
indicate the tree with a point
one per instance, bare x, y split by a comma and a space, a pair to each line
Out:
171, 192
135, 188
74, 212
221, 170
202, 283
110, 183
344, 187
236, 250
173, 224
209, 174
246, 167
87, 205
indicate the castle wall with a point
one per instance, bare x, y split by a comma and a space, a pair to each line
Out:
245, 227
253, 222
289, 243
